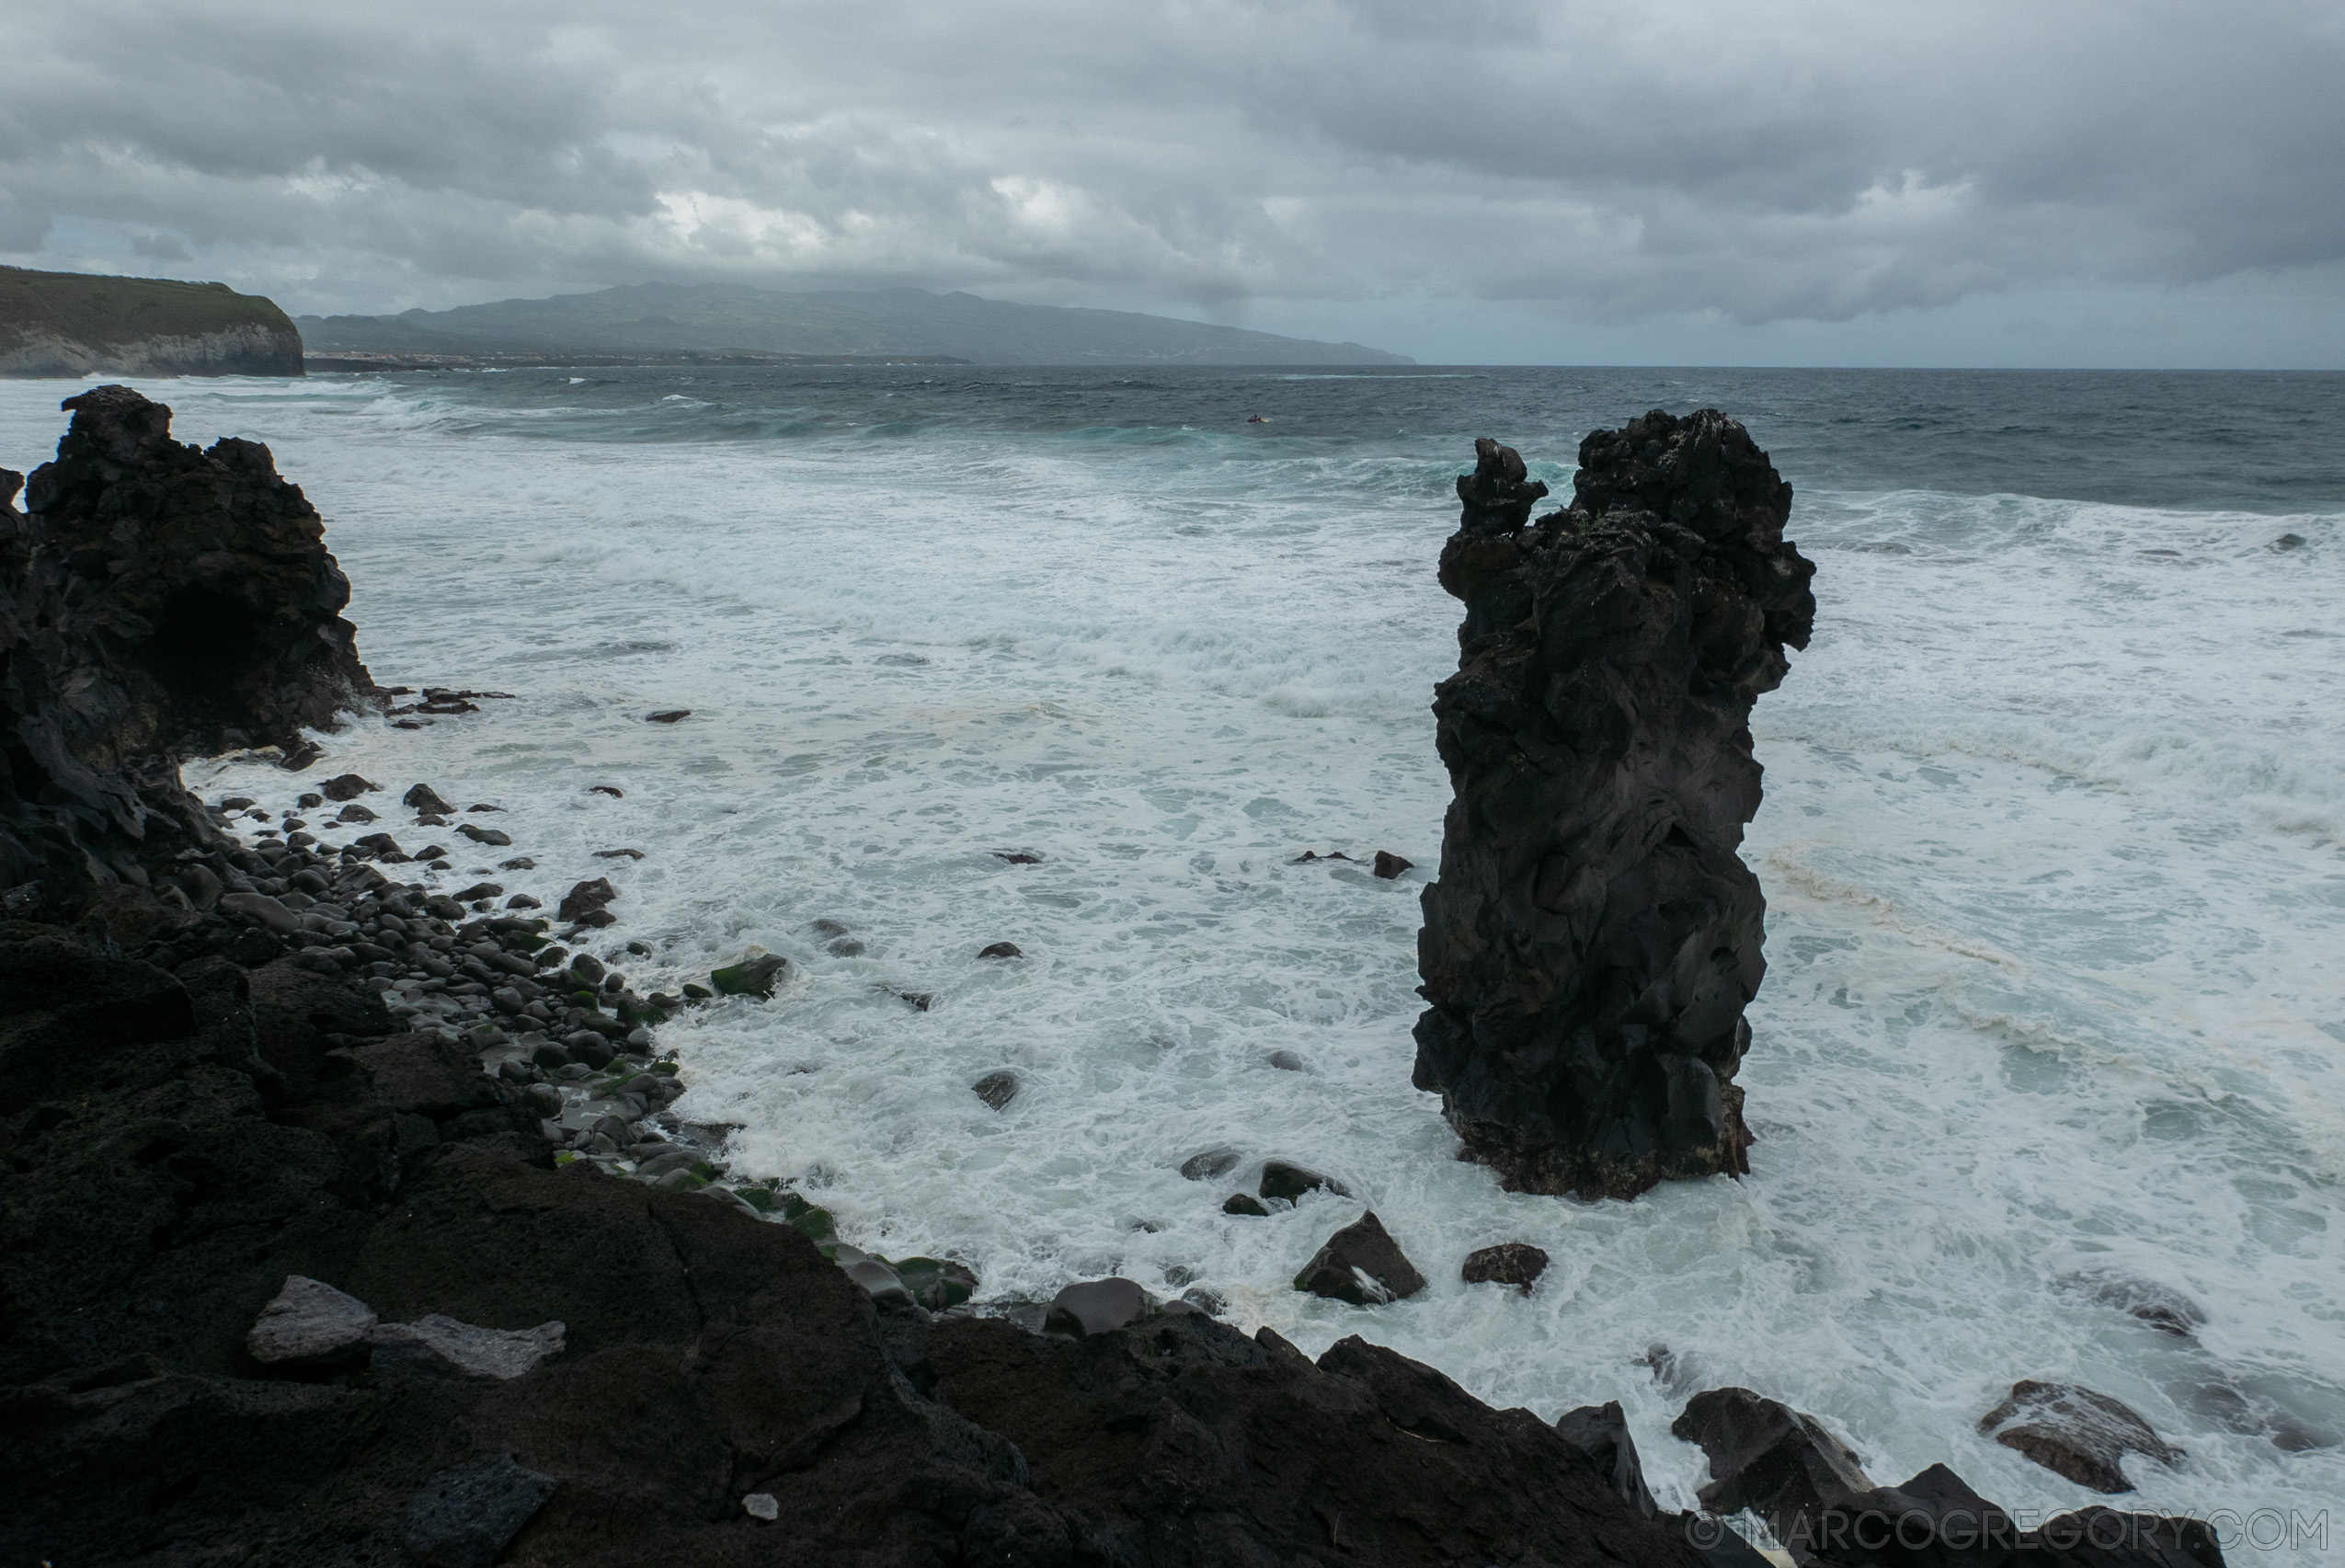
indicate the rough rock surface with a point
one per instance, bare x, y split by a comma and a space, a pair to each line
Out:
1361, 1263
156, 602
1182, 1441
1593, 938
2075, 1432
1509, 1262
306, 1321
1601, 1432
1816, 1500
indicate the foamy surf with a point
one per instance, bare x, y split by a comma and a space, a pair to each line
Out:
2051, 847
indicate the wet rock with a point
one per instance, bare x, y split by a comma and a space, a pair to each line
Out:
878, 1281
1245, 1204
1289, 1182
2162, 1307
1096, 1306
480, 835
1601, 1432
464, 1517
756, 975
936, 1283
439, 1344
1217, 1160
1286, 1061
519, 862
1389, 865
1509, 1262
614, 791
1017, 857
2075, 1432
1001, 950
477, 891
1362, 1264
309, 1322
425, 800
585, 898
618, 854
668, 715
1766, 1456
346, 786
1592, 939
997, 1089
353, 813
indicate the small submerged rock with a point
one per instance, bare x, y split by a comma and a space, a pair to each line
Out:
1389, 865
1245, 1204
480, 835
1219, 1161
668, 715
1288, 1183
755, 975
349, 787
2075, 1432
1002, 950
1509, 1262
997, 1089
1362, 1264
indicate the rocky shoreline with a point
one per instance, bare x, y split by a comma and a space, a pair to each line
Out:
349, 1220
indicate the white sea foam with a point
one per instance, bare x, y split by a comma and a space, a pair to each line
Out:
2051, 842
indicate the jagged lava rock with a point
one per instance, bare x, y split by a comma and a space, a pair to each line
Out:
156, 602
1594, 938
1361, 1263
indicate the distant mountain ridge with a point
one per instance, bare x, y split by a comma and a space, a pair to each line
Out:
726, 317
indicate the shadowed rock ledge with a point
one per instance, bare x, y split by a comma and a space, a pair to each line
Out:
1594, 937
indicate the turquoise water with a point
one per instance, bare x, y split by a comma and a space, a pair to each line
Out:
2052, 846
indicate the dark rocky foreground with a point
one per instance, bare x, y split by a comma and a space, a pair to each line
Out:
320, 1251
1594, 937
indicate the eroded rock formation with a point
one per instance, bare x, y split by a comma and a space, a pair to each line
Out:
156, 602
1594, 937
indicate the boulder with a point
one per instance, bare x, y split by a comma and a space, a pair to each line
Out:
1284, 1182
346, 786
1593, 938
1361, 1265
1001, 950
1245, 1205
997, 1089
424, 800
756, 975
2075, 1432
1096, 1306
437, 1343
1509, 1262
585, 898
309, 1322
1601, 1432
1388, 866
1204, 1165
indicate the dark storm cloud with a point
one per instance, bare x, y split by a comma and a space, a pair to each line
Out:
1812, 158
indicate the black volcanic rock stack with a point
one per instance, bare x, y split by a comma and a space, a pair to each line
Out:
1594, 938
156, 601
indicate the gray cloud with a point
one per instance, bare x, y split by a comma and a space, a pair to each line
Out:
1605, 161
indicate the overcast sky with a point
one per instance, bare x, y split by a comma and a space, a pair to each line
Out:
2122, 182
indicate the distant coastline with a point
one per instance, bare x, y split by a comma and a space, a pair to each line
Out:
72, 323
